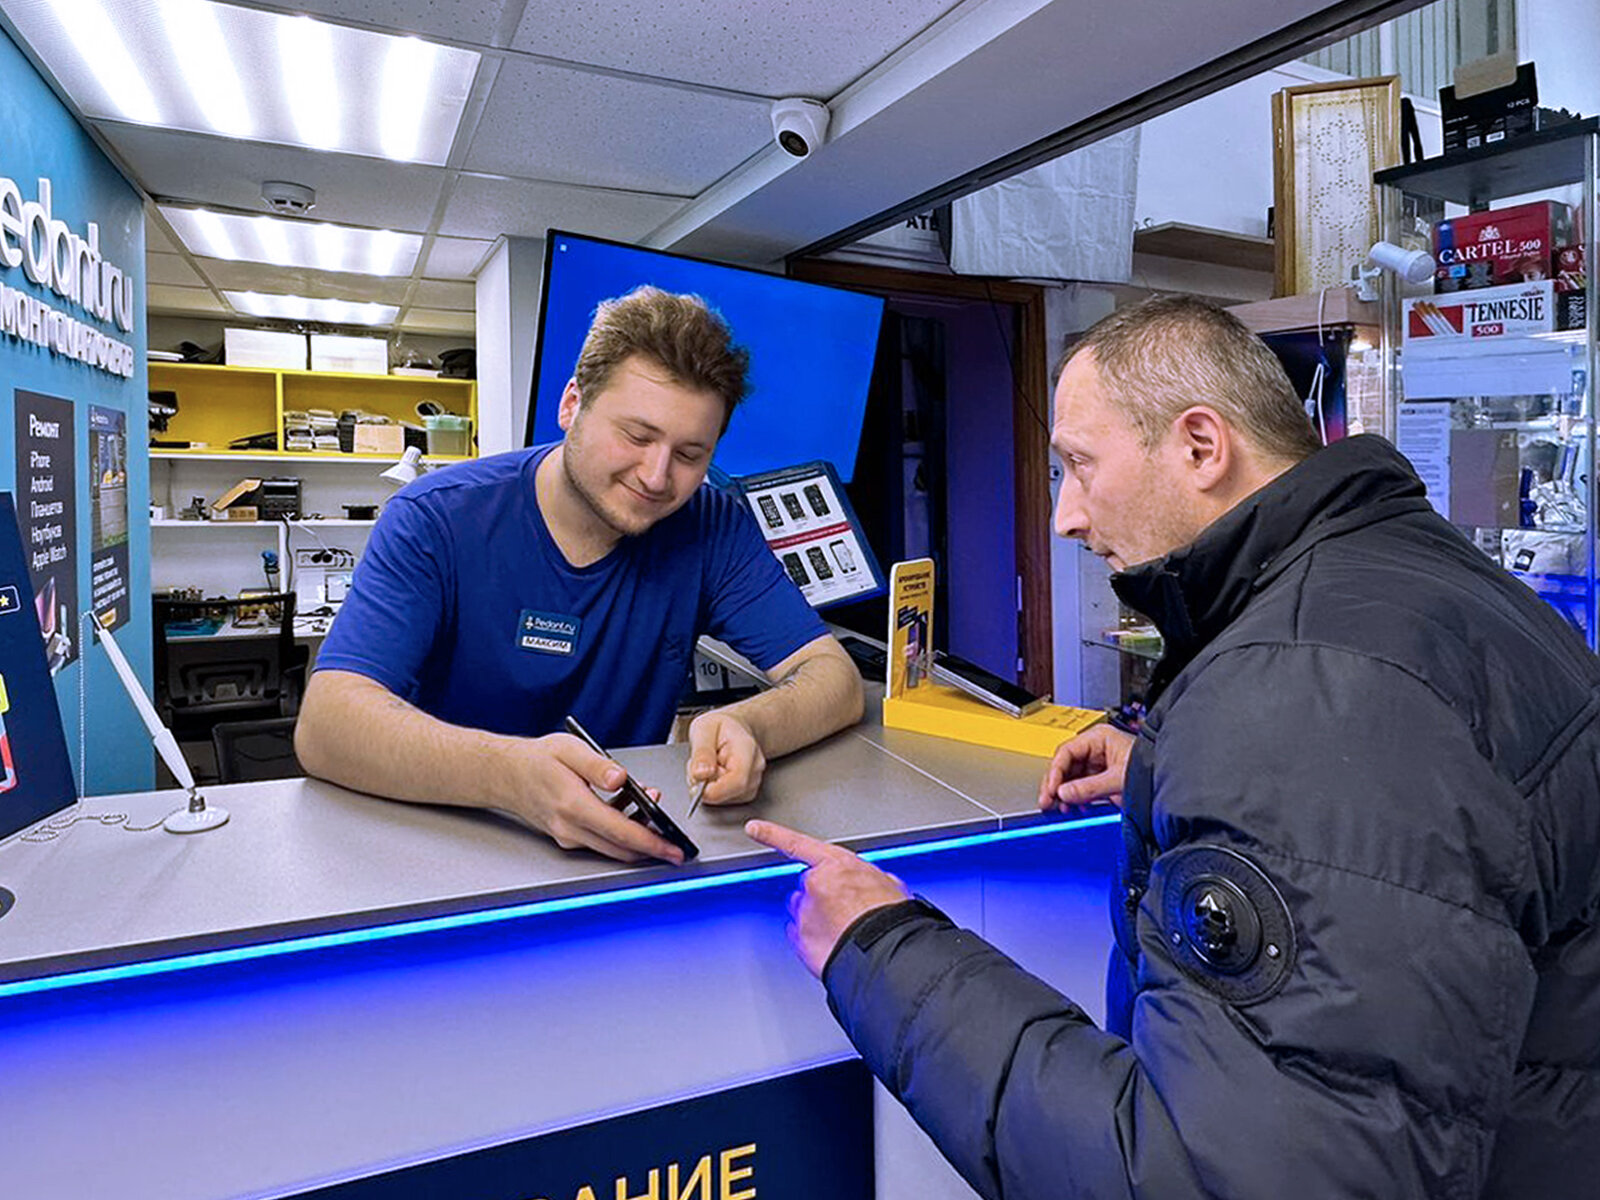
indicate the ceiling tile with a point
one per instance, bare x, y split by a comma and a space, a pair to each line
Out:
160, 298
455, 258
436, 293
156, 240
474, 21
488, 206
566, 126
297, 281
775, 48
171, 269
432, 320
222, 172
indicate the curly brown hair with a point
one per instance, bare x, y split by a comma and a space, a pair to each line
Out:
682, 334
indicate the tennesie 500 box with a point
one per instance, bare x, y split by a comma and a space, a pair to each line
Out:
1501, 246
1517, 309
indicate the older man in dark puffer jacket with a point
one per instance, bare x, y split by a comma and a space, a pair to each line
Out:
1355, 913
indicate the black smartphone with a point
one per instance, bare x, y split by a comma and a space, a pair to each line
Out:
957, 672
635, 803
814, 498
792, 503
796, 569
769, 510
819, 563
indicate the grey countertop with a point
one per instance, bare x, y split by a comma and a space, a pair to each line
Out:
303, 857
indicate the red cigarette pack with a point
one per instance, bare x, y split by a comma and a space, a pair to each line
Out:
1500, 246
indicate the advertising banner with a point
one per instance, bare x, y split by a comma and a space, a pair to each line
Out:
794, 1137
108, 516
35, 774
47, 510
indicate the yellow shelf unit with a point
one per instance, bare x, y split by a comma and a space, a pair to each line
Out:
217, 404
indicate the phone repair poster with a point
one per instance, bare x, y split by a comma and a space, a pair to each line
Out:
35, 773
808, 525
47, 513
108, 517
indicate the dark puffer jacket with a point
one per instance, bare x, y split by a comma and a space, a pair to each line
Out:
1356, 908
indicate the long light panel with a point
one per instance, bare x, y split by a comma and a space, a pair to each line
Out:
205, 67
307, 308
315, 245
400, 929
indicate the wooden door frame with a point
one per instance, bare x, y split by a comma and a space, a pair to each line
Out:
1030, 467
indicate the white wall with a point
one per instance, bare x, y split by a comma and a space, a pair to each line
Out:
1562, 39
507, 322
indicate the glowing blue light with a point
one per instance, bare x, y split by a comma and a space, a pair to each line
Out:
376, 933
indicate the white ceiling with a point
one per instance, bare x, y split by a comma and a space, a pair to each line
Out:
647, 121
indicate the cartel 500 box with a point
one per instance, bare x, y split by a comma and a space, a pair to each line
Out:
1501, 246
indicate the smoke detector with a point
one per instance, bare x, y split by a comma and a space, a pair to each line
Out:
288, 199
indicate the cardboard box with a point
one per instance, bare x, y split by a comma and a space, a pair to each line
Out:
1488, 117
264, 348
1463, 317
351, 355
380, 439
1500, 246
942, 711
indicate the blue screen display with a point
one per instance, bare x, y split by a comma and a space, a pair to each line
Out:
811, 348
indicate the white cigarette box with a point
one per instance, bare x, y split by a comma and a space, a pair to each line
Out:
1461, 318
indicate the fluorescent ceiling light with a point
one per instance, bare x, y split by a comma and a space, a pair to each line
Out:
95, 37
208, 67
201, 54
315, 245
304, 308
407, 72
310, 83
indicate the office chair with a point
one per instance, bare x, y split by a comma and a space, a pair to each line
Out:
250, 750
203, 678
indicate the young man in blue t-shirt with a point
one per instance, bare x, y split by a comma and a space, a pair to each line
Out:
498, 596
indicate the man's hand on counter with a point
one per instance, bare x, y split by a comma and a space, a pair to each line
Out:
1090, 767
834, 893
724, 754
558, 776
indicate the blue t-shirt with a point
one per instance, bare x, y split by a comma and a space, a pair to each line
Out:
464, 606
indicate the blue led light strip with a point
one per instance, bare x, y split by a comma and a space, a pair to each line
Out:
349, 937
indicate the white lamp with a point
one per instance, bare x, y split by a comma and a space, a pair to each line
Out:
197, 818
407, 469
1413, 266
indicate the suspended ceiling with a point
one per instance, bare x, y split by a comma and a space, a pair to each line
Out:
648, 122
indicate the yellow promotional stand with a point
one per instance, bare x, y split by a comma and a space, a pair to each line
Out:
914, 701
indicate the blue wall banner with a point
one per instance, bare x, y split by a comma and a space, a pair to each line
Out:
35, 775
794, 1137
48, 513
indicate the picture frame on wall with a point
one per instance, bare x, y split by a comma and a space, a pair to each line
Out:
1327, 140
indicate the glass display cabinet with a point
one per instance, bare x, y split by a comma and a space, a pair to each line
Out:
1492, 362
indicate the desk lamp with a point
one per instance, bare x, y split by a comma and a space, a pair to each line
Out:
197, 818
407, 469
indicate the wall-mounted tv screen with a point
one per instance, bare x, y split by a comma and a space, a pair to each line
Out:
811, 348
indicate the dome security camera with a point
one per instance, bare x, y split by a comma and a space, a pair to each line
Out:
799, 126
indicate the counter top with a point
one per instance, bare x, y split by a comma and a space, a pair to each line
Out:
303, 857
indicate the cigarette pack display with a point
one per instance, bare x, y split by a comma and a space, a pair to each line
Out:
1572, 282
1471, 316
1500, 246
